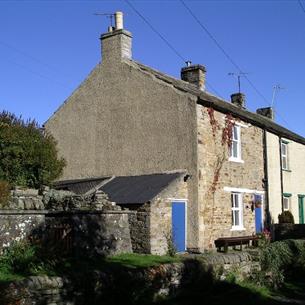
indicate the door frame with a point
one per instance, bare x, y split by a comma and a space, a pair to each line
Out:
301, 200
185, 216
262, 211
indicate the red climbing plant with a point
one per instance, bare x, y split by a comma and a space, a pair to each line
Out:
213, 122
227, 132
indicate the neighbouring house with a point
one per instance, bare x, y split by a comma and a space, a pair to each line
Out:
285, 160
130, 122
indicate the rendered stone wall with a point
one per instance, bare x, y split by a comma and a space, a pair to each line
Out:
123, 121
293, 178
216, 172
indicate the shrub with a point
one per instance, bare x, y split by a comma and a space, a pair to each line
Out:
28, 156
278, 258
286, 217
4, 193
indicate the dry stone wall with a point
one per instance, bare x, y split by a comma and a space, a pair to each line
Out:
82, 226
129, 285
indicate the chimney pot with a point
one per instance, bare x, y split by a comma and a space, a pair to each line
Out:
117, 43
267, 112
239, 100
194, 74
118, 20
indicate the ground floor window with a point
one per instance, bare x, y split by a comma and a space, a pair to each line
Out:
286, 202
237, 218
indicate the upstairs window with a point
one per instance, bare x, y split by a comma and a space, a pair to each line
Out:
284, 151
237, 218
235, 154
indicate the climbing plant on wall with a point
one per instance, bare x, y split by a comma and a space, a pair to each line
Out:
221, 152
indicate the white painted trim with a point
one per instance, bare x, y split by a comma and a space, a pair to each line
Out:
178, 200
245, 125
238, 229
241, 190
241, 124
237, 160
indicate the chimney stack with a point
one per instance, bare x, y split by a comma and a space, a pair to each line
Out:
239, 100
267, 112
194, 74
116, 43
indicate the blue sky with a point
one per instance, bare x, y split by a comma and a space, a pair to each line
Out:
48, 47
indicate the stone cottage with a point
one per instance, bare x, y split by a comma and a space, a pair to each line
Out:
127, 119
285, 156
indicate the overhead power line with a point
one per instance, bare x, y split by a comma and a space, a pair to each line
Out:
226, 54
25, 54
301, 5
155, 30
166, 41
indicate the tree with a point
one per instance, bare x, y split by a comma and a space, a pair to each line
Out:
28, 155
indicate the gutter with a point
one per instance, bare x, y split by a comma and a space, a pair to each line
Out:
266, 180
281, 173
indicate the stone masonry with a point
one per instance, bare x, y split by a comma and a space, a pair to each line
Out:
95, 225
216, 171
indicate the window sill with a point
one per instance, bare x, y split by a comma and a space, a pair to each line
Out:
236, 160
238, 229
286, 170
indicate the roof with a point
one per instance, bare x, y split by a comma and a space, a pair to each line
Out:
123, 189
206, 99
81, 186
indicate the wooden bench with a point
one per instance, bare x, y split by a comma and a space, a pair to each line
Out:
225, 242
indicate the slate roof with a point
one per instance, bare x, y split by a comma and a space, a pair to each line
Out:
137, 189
123, 189
206, 99
81, 186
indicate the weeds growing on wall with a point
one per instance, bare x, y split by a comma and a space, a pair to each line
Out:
23, 258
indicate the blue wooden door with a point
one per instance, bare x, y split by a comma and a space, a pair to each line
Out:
258, 213
178, 225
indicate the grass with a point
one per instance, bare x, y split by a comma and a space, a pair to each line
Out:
22, 260
133, 260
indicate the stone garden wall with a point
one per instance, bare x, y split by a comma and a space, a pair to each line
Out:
128, 285
70, 223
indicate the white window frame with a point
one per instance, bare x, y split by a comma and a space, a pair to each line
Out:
236, 140
238, 208
284, 156
288, 198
